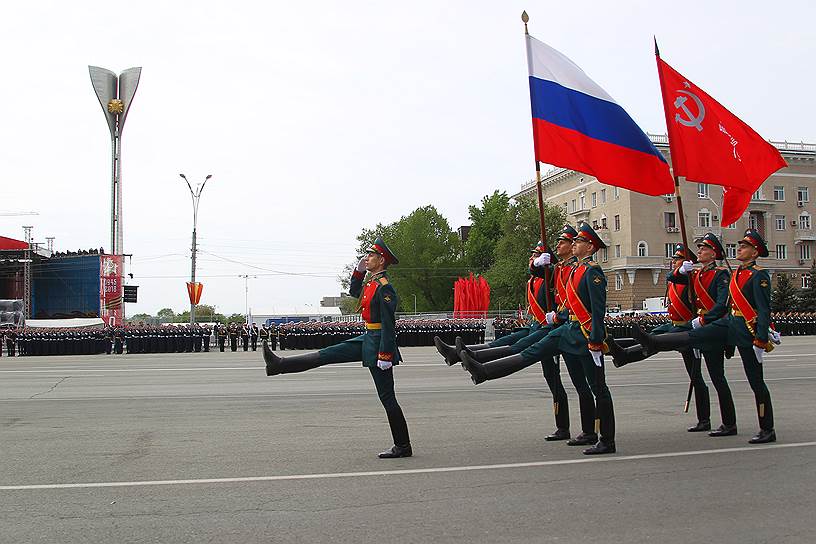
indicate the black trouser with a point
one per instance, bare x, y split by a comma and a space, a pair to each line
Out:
585, 399
221, 342
384, 382
552, 373
233, 343
254, 342
701, 396
245, 342
762, 397
715, 362
604, 410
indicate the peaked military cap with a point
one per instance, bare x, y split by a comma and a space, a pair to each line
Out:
381, 248
753, 238
568, 233
711, 240
540, 247
588, 233
680, 252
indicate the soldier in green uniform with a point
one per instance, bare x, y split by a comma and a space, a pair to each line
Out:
748, 327
582, 338
377, 348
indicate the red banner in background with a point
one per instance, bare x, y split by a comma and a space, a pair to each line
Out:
194, 290
471, 297
111, 308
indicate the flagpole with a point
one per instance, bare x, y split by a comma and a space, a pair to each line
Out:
696, 368
542, 225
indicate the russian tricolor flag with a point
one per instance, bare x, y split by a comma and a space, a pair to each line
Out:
577, 125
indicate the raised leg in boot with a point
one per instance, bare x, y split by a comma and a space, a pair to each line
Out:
285, 365
481, 372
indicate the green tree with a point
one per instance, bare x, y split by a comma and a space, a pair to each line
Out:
784, 298
429, 253
485, 231
139, 317
520, 231
166, 314
807, 296
236, 318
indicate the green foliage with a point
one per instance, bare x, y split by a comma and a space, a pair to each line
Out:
166, 314
485, 231
520, 231
236, 318
784, 298
807, 296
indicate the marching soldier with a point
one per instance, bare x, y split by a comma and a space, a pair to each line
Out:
244, 337
583, 337
233, 336
748, 328
222, 337
376, 348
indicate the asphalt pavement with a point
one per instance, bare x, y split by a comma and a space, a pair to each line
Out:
205, 448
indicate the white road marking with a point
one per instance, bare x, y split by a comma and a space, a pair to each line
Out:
430, 470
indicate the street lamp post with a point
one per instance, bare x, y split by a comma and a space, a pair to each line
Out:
196, 196
415, 307
246, 293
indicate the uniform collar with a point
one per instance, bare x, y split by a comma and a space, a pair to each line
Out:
710, 266
378, 275
749, 264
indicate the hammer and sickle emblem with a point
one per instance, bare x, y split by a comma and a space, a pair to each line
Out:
690, 120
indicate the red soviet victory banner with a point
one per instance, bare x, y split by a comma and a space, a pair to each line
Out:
709, 144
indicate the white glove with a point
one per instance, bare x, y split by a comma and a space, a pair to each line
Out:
361, 266
775, 337
542, 260
686, 267
696, 352
759, 352
384, 365
597, 357
550, 318
695, 323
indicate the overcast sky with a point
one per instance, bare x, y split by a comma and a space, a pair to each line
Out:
317, 119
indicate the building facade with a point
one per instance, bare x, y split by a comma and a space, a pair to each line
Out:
641, 231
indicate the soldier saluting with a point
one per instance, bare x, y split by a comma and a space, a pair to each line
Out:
376, 348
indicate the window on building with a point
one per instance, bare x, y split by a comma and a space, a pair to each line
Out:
804, 221
805, 281
669, 250
731, 251
617, 222
779, 193
753, 221
642, 249
704, 218
603, 222
757, 195
594, 199
572, 205
603, 196
605, 254
669, 220
781, 251
804, 251
802, 195
780, 222
617, 251
732, 226
618, 282
669, 197
595, 224
565, 207
582, 198
702, 190
616, 192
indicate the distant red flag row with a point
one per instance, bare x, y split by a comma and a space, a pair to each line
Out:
471, 297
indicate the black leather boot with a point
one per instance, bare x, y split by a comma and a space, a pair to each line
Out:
447, 351
284, 365
459, 343
559, 434
600, 448
622, 356
724, 430
489, 354
396, 451
763, 437
583, 439
653, 343
700, 427
480, 372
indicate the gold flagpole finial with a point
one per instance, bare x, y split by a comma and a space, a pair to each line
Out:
525, 19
